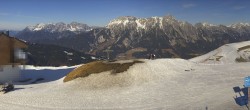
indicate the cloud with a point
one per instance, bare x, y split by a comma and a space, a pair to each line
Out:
239, 7
188, 5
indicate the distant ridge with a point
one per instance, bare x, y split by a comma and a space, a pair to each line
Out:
59, 27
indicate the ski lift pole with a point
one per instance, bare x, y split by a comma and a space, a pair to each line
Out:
108, 52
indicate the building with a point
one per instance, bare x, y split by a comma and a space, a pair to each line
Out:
11, 56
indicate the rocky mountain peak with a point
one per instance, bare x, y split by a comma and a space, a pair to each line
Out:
121, 20
134, 23
139, 23
36, 27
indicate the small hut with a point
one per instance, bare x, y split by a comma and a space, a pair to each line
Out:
11, 56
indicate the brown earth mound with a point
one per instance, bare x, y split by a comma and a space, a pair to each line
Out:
98, 67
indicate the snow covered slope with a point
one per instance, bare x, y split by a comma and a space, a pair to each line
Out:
32, 74
162, 84
229, 53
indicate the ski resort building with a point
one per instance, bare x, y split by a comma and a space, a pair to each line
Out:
11, 56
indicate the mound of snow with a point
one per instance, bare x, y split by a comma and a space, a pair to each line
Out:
228, 53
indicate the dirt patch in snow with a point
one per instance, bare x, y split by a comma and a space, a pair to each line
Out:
243, 48
98, 67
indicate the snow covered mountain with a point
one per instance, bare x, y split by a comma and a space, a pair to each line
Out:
132, 37
52, 31
165, 36
60, 27
239, 25
144, 23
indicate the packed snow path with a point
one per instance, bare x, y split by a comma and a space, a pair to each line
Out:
172, 84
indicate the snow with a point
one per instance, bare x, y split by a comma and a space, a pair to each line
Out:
118, 21
125, 22
137, 21
161, 20
52, 27
139, 25
225, 54
39, 27
114, 22
101, 39
238, 25
47, 73
205, 24
93, 57
8, 73
72, 29
168, 84
158, 20
155, 84
68, 53
23, 40
31, 67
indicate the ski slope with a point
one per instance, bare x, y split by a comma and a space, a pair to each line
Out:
173, 84
226, 54
161, 84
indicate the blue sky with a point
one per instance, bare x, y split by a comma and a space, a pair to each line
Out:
17, 14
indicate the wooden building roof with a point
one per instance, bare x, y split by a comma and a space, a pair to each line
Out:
7, 47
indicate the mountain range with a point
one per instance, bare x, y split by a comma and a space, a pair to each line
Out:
59, 27
52, 31
131, 37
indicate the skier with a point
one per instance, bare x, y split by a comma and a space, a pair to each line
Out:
153, 56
